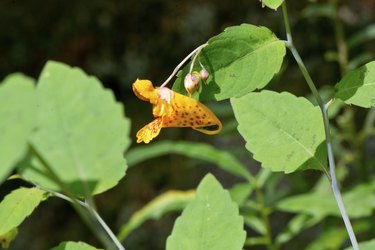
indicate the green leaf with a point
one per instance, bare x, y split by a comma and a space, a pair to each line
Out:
210, 221
165, 203
81, 132
70, 245
17, 205
285, 133
202, 151
365, 245
240, 59
17, 113
332, 238
362, 36
7, 238
272, 4
359, 202
240, 192
357, 87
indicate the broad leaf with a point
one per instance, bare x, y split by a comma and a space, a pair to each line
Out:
202, 151
285, 133
81, 133
210, 221
273, 4
358, 86
70, 245
240, 59
7, 238
17, 113
365, 245
359, 202
17, 205
165, 203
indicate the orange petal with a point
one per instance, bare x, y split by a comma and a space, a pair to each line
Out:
150, 131
188, 112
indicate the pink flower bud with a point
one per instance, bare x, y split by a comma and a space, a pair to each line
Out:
204, 74
191, 82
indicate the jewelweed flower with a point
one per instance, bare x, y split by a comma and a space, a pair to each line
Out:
172, 109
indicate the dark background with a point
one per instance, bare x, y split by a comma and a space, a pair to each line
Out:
120, 41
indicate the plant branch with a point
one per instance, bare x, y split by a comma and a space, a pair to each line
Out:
342, 50
195, 51
95, 214
323, 107
88, 216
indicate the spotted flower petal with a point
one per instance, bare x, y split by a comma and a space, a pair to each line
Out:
175, 111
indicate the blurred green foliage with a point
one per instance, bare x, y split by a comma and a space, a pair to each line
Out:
119, 41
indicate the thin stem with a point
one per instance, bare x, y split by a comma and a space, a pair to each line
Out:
323, 107
264, 215
86, 216
96, 215
196, 50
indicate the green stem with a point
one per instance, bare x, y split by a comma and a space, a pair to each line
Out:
323, 107
90, 218
340, 40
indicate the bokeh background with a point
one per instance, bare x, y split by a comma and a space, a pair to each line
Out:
120, 41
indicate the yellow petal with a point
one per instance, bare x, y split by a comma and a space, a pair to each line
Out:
150, 131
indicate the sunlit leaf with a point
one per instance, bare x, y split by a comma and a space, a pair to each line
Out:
273, 4
240, 59
17, 113
70, 245
202, 151
358, 86
7, 238
164, 203
359, 202
210, 221
81, 132
285, 133
17, 205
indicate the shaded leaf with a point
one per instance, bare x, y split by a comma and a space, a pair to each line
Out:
17, 205
362, 36
285, 133
240, 59
239, 192
365, 245
81, 132
210, 221
357, 87
202, 151
155, 209
17, 113
71, 245
359, 202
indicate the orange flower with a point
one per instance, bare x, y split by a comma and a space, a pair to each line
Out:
172, 109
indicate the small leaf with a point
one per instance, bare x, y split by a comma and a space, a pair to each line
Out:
202, 151
17, 205
240, 59
81, 132
365, 245
272, 4
210, 221
285, 133
358, 86
240, 192
362, 36
165, 203
71, 245
359, 202
17, 113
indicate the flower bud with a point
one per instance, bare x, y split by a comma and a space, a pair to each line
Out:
191, 82
204, 74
